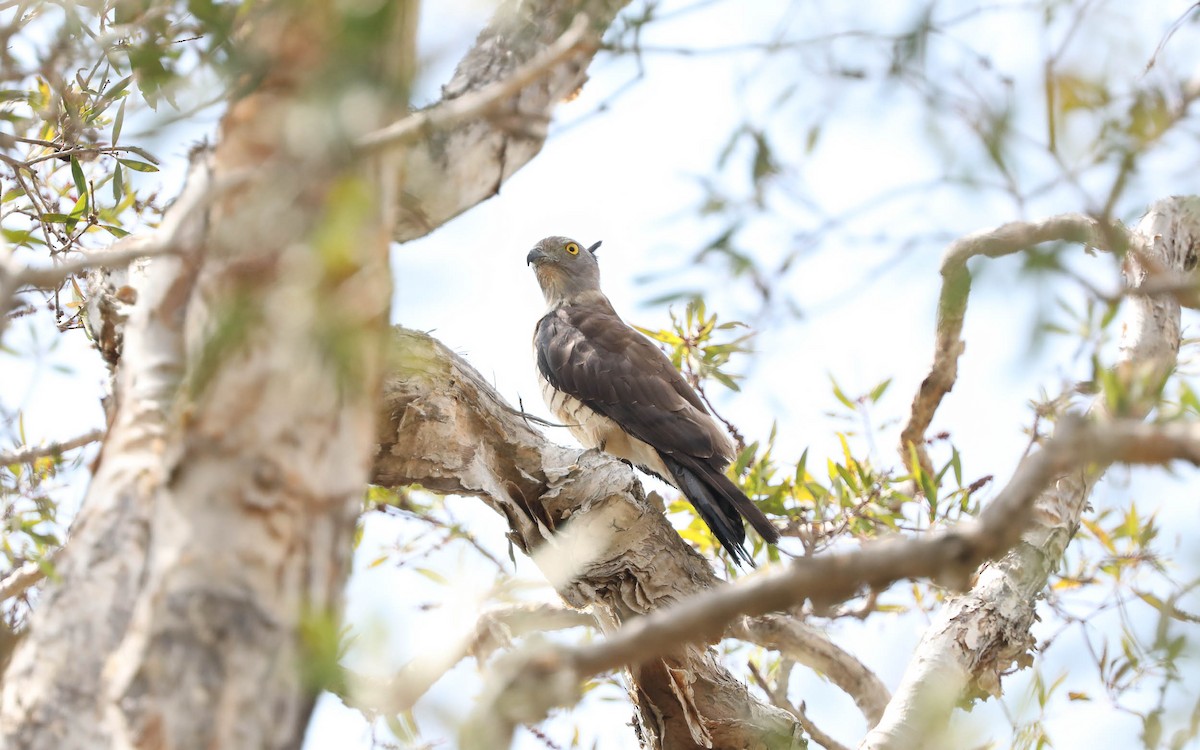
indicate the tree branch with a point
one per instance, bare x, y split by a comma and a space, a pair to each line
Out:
477, 149
584, 519
484, 101
952, 307
779, 697
493, 630
25, 577
544, 675
999, 610
29, 453
804, 644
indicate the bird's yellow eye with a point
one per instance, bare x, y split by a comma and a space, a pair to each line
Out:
572, 248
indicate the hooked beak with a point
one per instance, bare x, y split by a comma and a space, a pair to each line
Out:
535, 257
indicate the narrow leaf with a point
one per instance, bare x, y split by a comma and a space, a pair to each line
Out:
77, 176
138, 166
119, 122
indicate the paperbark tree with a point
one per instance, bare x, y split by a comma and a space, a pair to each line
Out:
217, 526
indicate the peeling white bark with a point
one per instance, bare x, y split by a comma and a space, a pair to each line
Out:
52, 684
219, 517
221, 514
455, 168
445, 428
978, 637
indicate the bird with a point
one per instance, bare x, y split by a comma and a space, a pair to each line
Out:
618, 392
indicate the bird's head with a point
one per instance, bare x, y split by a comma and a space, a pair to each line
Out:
566, 270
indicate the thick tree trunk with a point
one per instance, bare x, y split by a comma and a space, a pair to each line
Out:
218, 523
219, 519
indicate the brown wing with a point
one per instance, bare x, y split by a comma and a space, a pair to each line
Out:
588, 352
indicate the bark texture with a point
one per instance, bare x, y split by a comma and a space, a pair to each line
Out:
217, 526
460, 166
219, 520
978, 637
586, 522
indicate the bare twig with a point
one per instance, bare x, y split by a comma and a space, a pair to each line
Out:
81, 150
818, 736
478, 103
1162, 43
28, 453
778, 695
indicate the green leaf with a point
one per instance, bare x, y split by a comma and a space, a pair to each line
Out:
138, 166
802, 468
78, 211
725, 380
78, 178
119, 122
434, 576
21, 237
837, 393
118, 184
115, 90
114, 231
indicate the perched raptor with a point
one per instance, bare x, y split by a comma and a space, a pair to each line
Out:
617, 392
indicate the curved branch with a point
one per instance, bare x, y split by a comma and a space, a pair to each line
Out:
484, 101
999, 610
952, 308
809, 646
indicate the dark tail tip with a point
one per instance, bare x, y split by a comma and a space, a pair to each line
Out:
721, 505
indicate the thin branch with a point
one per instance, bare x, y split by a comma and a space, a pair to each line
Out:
25, 577
1162, 43
952, 306
779, 698
478, 103
29, 453
949, 666
818, 736
161, 241
121, 253
81, 150
494, 630
804, 644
